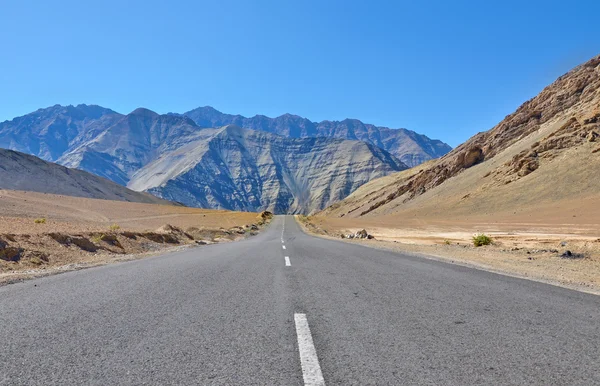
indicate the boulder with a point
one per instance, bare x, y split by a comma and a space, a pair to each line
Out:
469, 158
361, 234
571, 255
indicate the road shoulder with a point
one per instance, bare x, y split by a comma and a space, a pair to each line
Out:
577, 274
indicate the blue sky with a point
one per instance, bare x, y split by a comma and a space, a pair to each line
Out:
447, 69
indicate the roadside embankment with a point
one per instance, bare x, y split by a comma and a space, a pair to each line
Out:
42, 234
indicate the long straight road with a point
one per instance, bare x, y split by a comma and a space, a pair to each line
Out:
287, 308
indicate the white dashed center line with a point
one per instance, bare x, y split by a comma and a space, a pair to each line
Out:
287, 261
311, 371
283, 246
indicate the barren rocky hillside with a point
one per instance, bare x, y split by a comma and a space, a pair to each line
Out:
250, 170
20, 171
546, 151
410, 147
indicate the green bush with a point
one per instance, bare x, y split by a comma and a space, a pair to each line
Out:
482, 239
114, 227
40, 220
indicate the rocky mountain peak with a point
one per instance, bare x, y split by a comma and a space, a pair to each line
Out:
410, 147
143, 112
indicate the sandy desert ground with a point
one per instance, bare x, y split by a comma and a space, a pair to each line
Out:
18, 209
44, 233
523, 245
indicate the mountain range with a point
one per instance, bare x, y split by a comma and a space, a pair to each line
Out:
172, 157
410, 147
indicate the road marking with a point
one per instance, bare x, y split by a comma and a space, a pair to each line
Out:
287, 261
311, 371
283, 246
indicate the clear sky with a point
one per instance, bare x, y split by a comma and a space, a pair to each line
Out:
447, 69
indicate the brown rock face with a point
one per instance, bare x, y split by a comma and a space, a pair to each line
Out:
472, 157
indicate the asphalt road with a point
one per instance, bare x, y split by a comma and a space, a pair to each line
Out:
340, 313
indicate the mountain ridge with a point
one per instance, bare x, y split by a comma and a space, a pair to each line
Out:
546, 151
408, 146
123, 148
20, 171
289, 175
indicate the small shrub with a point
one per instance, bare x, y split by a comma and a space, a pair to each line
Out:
97, 238
40, 220
447, 242
482, 239
114, 227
